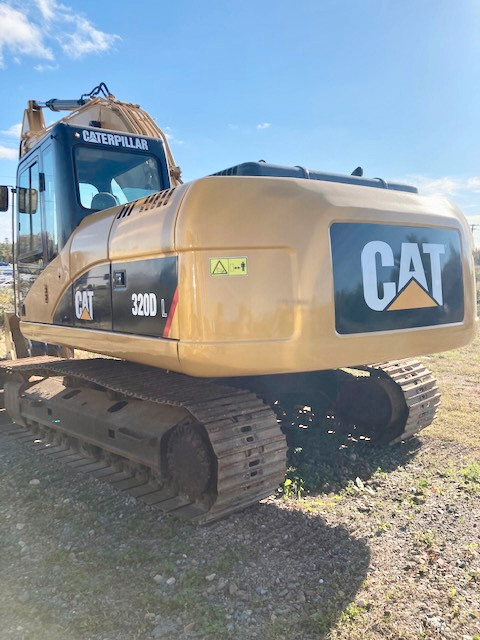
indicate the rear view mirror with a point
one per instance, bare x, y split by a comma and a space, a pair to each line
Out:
3, 198
27, 200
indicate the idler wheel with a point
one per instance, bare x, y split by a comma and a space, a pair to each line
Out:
190, 462
375, 405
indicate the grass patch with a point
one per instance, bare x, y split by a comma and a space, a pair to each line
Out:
426, 538
351, 613
471, 476
458, 374
227, 560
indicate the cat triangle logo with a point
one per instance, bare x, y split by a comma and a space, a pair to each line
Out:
85, 315
84, 304
412, 296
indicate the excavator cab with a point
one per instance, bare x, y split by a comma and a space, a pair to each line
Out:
70, 174
77, 171
102, 154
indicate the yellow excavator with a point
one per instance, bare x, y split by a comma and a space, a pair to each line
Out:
221, 305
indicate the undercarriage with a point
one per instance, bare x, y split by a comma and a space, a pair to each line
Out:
201, 449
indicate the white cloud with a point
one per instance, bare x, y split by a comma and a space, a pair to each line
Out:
170, 137
474, 184
13, 131
47, 8
445, 185
264, 125
20, 36
463, 190
6, 153
46, 67
43, 26
86, 39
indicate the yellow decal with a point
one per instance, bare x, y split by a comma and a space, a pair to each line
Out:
228, 266
413, 296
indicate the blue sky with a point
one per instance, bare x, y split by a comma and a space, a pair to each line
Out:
391, 86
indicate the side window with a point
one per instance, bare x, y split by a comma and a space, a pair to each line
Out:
87, 191
51, 224
30, 245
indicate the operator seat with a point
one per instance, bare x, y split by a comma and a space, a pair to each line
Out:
103, 200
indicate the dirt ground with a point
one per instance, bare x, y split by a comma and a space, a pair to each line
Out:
387, 547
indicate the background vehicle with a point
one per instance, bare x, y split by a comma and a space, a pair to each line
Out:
257, 284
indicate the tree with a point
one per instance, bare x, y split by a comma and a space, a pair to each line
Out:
6, 251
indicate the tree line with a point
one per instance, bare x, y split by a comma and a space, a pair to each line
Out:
6, 251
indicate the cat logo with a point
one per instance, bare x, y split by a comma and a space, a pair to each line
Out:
411, 290
84, 305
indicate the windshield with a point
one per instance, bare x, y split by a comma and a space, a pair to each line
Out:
107, 178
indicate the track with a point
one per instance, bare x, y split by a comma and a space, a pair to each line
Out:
395, 401
248, 445
240, 459
420, 392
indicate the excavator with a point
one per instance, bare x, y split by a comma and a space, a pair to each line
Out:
214, 311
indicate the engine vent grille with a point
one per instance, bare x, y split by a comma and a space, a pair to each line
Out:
232, 171
150, 202
157, 199
126, 210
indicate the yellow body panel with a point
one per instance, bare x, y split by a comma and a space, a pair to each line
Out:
277, 317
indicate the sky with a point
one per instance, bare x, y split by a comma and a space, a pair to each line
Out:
326, 84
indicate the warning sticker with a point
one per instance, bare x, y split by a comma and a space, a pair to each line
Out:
228, 266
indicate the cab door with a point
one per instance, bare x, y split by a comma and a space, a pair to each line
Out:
30, 249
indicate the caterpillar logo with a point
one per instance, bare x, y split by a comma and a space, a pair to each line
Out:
390, 277
84, 305
411, 291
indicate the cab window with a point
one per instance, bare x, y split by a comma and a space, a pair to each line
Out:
108, 177
30, 244
49, 203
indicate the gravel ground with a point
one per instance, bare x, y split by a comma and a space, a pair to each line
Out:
391, 553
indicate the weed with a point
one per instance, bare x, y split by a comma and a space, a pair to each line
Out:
383, 526
211, 621
57, 557
317, 623
351, 613
227, 560
280, 629
426, 538
471, 475
351, 489
452, 595
193, 578
293, 485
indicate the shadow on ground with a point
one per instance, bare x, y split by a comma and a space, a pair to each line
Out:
323, 457
78, 560
312, 570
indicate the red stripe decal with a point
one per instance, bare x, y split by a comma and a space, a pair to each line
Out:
171, 313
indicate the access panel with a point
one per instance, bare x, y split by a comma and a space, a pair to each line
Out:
144, 296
